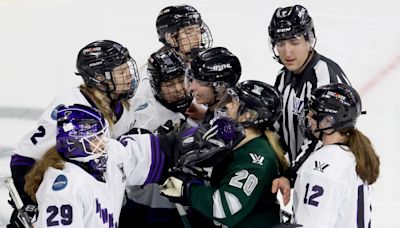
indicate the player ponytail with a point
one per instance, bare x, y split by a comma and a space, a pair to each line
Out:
102, 103
35, 176
367, 161
273, 140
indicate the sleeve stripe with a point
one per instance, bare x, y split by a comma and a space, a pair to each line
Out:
157, 161
218, 210
18, 160
233, 202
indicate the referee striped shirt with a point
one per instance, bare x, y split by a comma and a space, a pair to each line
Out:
296, 90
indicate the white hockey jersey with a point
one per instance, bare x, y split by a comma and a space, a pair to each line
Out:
148, 112
36, 142
329, 193
73, 198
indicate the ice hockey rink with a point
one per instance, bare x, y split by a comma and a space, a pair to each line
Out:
41, 38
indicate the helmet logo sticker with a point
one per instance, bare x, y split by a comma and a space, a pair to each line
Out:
60, 183
257, 89
221, 67
284, 12
91, 49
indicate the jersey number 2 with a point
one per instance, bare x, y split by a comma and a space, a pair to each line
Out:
317, 191
65, 212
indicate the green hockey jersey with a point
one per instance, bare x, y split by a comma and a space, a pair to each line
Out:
240, 192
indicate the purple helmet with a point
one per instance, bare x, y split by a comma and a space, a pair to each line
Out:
82, 135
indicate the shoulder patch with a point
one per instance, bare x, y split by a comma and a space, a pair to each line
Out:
54, 112
142, 106
60, 183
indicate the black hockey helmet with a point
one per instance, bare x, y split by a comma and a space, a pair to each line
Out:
290, 22
261, 100
339, 101
100, 58
215, 65
172, 18
164, 66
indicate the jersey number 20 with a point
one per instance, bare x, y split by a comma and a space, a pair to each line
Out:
249, 184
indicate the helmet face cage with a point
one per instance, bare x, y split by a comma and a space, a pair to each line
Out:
82, 135
166, 73
177, 19
125, 80
96, 63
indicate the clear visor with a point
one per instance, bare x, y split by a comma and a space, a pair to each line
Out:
191, 82
229, 105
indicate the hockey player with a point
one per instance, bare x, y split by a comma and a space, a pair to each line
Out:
292, 37
181, 28
167, 103
210, 74
80, 182
333, 185
110, 79
238, 195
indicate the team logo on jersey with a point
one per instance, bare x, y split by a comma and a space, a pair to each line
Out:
121, 168
298, 105
60, 183
257, 159
142, 106
320, 166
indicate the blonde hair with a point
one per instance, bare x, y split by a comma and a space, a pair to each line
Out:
103, 103
367, 161
35, 176
273, 140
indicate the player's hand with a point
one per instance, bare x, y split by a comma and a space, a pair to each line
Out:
195, 111
283, 184
177, 187
166, 128
16, 220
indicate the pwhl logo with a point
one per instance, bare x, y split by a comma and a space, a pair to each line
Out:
320, 166
257, 159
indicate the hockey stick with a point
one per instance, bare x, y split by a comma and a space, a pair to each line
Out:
182, 213
18, 202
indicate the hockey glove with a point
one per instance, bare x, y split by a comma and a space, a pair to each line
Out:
16, 220
166, 128
177, 187
209, 144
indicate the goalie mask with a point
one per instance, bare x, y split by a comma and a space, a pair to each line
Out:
82, 136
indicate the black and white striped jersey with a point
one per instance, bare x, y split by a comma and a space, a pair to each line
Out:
296, 91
